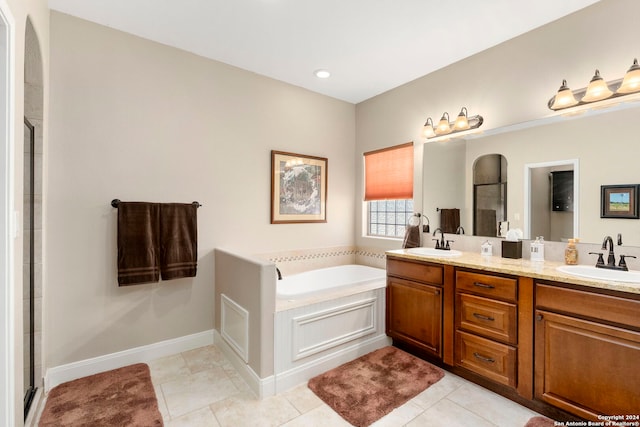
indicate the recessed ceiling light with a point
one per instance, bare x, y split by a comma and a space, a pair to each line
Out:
322, 74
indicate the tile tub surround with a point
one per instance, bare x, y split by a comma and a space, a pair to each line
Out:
300, 260
201, 388
545, 270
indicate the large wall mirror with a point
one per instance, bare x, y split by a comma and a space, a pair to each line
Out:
603, 143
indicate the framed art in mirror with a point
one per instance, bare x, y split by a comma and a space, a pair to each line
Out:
619, 201
298, 188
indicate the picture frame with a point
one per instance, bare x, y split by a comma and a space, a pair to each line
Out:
619, 201
298, 188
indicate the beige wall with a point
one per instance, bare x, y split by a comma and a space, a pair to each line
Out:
38, 12
507, 84
136, 120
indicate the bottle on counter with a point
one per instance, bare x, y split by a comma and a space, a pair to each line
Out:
537, 249
486, 249
571, 253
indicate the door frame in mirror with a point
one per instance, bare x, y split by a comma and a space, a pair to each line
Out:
527, 193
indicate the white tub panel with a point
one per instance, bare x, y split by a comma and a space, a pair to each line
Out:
235, 326
315, 332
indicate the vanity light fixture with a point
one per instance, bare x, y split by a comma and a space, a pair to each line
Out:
445, 127
631, 81
462, 123
598, 90
427, 130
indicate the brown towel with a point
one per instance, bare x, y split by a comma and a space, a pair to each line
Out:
179, 240
449, 220
138, 243
411, 237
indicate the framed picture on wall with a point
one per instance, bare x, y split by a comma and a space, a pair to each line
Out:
619, 201
298, 188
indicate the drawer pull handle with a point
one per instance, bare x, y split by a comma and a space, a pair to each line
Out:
482, 285
483, 358
483, 317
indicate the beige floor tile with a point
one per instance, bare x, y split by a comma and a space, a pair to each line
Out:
399, 416
200, 418
491, 406
448, 384
302, 398
322, 416
196, 391
244, 411
203, 358
168, 368
446, 413
162, 405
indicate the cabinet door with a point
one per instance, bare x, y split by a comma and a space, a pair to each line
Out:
414, 314
586, 368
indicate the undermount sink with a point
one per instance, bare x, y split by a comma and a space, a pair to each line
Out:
434, 252
591, 272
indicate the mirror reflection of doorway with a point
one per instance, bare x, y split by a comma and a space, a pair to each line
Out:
489, 194
29, 263
551, 200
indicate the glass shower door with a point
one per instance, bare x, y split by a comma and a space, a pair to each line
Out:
29, 268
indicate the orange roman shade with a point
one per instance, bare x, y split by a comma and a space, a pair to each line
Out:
388, 173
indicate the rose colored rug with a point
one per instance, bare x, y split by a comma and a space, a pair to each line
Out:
365, 389
121, 397
539, 421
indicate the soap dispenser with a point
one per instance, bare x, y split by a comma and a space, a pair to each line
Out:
486, 249
537, 249
571, 253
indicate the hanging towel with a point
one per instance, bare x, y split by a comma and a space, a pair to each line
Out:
138, 243
178, 240
411, 237
412, 232
449, 220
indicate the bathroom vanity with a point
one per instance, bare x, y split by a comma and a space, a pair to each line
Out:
559, 344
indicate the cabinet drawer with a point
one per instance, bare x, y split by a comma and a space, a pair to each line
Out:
429, 273
485, 357
487, 285
606, 308
489, 318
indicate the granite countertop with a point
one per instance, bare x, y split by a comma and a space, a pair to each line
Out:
545, 270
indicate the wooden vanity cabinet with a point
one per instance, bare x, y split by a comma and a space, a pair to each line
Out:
486, 325
587, 350
414, 305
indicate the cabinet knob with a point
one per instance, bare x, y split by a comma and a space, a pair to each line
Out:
539, 317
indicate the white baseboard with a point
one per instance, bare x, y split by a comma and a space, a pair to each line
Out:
303, 373
71, 371
261, 387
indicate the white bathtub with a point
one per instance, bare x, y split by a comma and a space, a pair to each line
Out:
327, 279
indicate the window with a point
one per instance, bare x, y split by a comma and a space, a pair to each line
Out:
388, 217
389, 190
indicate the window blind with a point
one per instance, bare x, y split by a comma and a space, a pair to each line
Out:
389, 173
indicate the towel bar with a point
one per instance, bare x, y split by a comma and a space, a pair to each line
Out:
116, 202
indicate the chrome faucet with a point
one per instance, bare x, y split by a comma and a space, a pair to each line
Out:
441, 244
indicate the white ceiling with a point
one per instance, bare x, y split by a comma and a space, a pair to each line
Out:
369, 46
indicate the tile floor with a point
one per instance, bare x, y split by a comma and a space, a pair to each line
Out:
201, 388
